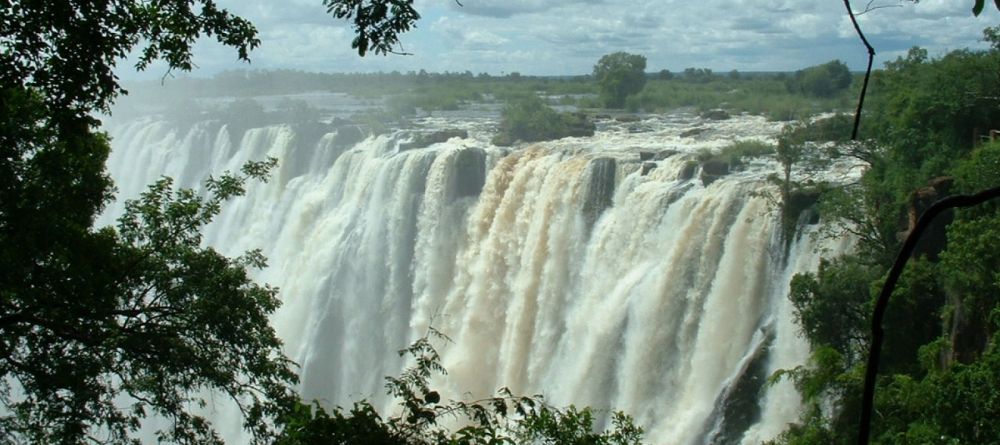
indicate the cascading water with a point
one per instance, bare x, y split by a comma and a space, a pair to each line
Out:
567, 268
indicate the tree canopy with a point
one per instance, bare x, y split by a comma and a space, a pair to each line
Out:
104, 327
619, 75
823, 80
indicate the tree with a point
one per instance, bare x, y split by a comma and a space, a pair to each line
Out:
100, 328
699, 75
824, 80
619, 75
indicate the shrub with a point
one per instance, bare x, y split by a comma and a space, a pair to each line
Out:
528, 119
736, 152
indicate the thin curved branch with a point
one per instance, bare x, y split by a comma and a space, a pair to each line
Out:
874, 354
871, 6
868, 71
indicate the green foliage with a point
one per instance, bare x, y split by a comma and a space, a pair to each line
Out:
953, 405
699, 75
929, 113
528, 119
992, 36
924, 120
918, 303
424, 417
765, 95
969, 264
832, 305
377, 23
619, 75
793, 150
836, 128
736, 153
70, 61
104, 328
865, 211
407, 94
824, 80
979, 172
831, 393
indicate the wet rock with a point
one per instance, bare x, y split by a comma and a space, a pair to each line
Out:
801, 205
648, 167
470, 173
348, 135
308, 134
716, 115
687, 172
713, 169
600, 188
427, 139
693, 132
934, 238
664, 154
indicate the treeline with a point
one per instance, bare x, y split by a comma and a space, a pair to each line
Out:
779, 95
249, 83
928, 132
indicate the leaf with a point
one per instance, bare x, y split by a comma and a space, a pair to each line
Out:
978, 7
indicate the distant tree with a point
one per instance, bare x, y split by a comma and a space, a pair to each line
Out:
823, 80
619, 75
664, 75
991, 35
700, 75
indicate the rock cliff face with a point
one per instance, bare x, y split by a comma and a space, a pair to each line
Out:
934, 239
600, 189
967, 328
716, 115
712, 170
427, 139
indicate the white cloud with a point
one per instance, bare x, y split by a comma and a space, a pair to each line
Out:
510, 8
466, 36
568, 36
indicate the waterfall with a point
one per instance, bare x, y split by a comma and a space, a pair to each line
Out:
567, 268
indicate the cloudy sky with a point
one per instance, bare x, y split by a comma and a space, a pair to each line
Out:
560, 37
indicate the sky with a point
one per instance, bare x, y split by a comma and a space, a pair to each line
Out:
567, 37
